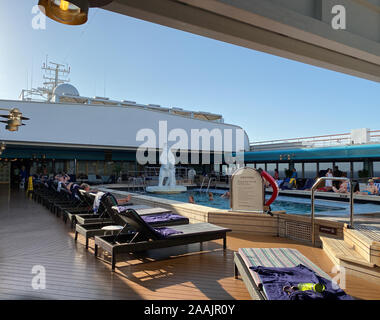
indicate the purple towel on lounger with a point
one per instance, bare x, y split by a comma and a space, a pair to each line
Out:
165, 232
274, 280
161, 217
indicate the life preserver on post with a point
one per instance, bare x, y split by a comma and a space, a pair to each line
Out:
274, 186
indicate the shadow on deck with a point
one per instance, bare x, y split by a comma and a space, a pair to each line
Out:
32, 236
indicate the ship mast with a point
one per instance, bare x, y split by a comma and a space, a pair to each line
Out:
54, 75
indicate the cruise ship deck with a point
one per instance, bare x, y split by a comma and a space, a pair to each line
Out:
32, 236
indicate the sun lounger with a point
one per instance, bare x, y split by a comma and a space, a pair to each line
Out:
308, 184
144, 237
156, 217
268, 257
100, 216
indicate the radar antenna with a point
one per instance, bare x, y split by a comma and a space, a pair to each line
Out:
54, 75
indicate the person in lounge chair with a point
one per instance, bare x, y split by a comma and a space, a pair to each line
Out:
122, 201
343, 187
370, 190
276, 175
293, 178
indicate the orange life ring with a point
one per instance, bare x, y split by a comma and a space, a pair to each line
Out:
274, 186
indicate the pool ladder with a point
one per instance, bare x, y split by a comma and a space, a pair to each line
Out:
208, 184
315, 186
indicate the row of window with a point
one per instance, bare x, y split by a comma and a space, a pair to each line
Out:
310, 169
86, 167
304, 169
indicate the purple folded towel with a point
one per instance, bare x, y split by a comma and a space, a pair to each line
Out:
165, 232
274, 280
162, 217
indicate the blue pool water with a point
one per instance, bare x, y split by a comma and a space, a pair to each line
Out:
293, 205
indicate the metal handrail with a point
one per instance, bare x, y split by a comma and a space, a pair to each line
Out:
315, 185
209, 182
200, 190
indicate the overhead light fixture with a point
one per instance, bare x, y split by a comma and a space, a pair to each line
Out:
73, 12
14, 119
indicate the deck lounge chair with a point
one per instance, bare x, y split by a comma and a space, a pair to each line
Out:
308, 184
156, 217
91, 216
144, 237
271, 258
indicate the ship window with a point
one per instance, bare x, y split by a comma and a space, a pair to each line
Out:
100, 170
325, 165
260, 165
376, 168
282, 167
91, 167
298, 167
357, 166
310, 170
271, 167
59, 166
344, 167
82, 168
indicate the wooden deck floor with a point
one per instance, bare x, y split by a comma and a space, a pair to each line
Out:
30, 235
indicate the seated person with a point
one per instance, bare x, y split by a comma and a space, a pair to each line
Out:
370, 190
293, 178
276, 175
329, 183
121, 201
343, 187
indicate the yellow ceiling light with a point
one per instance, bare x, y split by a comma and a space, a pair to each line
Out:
64, 5
73, 12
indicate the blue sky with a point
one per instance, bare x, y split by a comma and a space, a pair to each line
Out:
126, 58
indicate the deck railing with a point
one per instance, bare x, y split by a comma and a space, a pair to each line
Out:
328, 140
313, 189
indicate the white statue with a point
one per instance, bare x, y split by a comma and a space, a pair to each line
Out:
167, 170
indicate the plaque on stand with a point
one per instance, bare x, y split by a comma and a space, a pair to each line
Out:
247, 191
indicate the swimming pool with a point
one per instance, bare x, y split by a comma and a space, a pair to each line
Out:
292, 205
